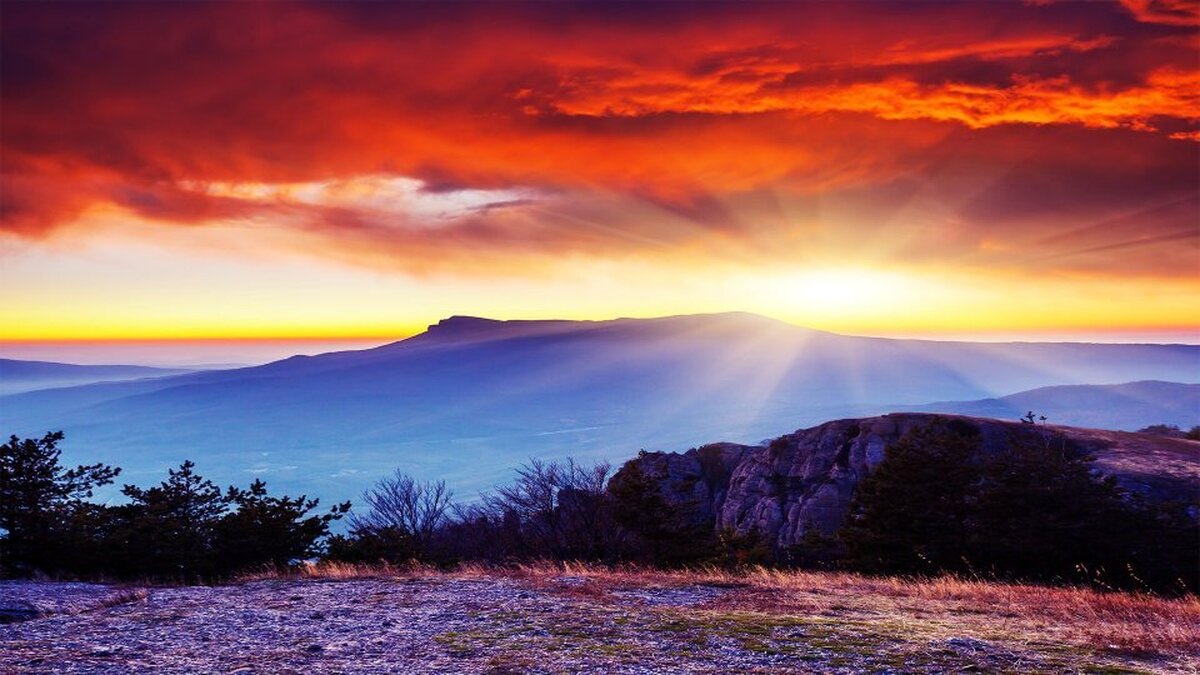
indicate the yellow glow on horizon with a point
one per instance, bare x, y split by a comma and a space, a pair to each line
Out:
866, 301
215, 301
128, 280
841, 293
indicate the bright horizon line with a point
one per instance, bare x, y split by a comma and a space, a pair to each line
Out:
1124, 334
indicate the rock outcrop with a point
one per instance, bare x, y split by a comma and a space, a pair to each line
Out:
697, 480
803, 482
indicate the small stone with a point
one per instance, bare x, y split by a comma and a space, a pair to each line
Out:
966, 643
18, 611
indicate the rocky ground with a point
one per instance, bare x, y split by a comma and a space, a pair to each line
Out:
580, 622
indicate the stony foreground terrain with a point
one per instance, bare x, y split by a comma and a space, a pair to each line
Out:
579, 620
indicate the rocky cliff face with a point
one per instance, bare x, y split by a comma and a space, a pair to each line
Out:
698, 479
804, 481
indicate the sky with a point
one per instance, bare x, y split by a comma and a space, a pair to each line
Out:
356, 171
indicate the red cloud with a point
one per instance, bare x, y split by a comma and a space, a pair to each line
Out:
636, 129
1172, 12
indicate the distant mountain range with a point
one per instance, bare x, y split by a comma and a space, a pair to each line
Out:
470, 398
21, 376
1130, 406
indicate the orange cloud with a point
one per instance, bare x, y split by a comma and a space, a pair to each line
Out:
424, 136
1167, 93
1172, 12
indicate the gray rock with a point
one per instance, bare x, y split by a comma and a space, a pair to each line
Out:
697, 479
27, 600
17, 610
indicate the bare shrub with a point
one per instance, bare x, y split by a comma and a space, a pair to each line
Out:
560, 509
403, 507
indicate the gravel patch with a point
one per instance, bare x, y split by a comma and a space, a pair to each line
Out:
457, 624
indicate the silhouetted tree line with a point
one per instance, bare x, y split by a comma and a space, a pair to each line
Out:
1035, 511
1172, 430
550, 510
185, 528
935, 504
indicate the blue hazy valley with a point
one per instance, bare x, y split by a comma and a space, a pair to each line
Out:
471, 398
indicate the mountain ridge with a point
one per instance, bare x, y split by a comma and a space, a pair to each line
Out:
22, 375
1124, 406
468, 410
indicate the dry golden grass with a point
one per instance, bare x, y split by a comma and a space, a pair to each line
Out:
1020, 614
943, 606
331, 570
1124, 622
125, 597
342, 571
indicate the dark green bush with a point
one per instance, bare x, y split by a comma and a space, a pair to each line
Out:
1034, 510
185, 528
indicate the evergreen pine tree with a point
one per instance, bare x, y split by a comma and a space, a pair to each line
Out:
38, 497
